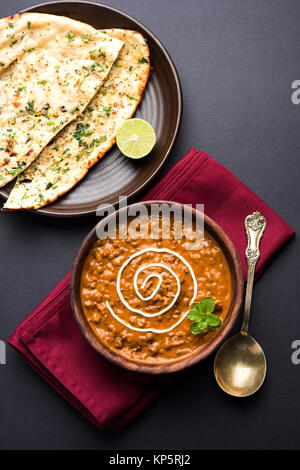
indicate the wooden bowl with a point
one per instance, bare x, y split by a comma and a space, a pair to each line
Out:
186, 361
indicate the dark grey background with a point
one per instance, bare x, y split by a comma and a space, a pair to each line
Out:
236, 61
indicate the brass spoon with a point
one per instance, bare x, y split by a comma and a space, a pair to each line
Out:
240, 364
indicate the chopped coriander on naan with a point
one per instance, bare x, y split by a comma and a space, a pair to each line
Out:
83, 142
50, 69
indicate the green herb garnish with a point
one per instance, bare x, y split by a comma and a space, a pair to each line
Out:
103, 138
80, 131
101, 54
143, 60
30, 107
84, 37
70, 37
94, 66
202, 316
15, 171
107, 110
132, 98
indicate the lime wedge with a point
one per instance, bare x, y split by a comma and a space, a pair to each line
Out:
136, 138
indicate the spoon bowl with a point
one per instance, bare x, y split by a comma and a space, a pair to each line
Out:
240, 365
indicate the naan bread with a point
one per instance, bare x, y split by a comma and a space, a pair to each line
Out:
51, 69
81, 144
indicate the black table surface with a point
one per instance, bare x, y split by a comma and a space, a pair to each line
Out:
236, 61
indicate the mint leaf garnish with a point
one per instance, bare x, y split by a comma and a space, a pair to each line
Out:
197, 328
202, 316
213, 321
207, 305
195, 314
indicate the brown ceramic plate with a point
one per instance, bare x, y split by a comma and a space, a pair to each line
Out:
116, 174
198, 355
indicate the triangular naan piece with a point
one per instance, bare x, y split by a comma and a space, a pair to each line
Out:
56, 67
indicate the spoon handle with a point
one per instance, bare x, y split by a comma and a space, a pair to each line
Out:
255, 225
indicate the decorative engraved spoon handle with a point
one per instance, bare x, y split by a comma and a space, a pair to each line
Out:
255, 225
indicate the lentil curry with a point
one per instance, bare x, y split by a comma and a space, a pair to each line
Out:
136, 293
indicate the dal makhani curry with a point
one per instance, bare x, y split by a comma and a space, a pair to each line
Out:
136, 293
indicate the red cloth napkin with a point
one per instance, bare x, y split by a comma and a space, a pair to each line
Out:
51, 342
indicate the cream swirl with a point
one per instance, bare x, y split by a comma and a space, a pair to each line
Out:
160, 280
